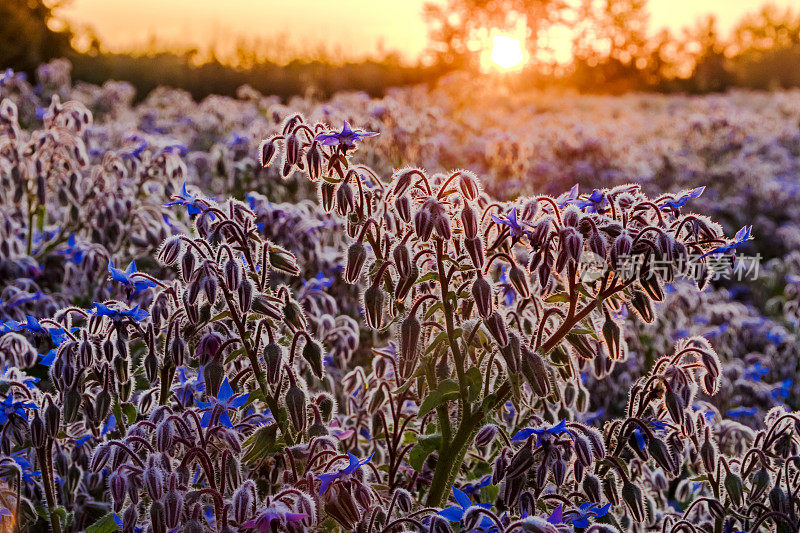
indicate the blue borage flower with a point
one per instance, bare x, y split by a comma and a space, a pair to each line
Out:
680, 199
782, 389
558, 429
318, 283
756, 372
188, 386
184, 198
742, 236
657, 425
29, 475
510, 220
586, 511
568, 197
455, 513
739, 412
224, 401
473, 488
345, 138
506, 289
126, 277
74, 253
355, 464
9, 408
136, 313
32, 325
595, 203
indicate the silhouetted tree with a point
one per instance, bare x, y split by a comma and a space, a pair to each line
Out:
26, 34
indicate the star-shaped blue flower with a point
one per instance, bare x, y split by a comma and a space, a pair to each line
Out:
586, 511
318, 283
354, 465
455, 513
742, 236
682, 197
557, 429
345, 138
126, 277
510, 220
9, 408
225, 400
595, 203
74, 253
184, 198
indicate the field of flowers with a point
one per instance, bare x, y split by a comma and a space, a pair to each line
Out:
465, 308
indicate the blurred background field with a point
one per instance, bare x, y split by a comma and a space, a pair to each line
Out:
595, 46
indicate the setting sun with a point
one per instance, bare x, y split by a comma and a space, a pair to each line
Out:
507, 52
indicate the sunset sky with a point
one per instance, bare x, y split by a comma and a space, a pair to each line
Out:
355, 28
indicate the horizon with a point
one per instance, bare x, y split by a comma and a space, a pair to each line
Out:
373, 30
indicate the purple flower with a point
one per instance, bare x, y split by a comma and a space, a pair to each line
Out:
272, 518
9, 408
188, 386
454, 513
558, 429
740, 238
682, 197
354, 465
224, 401
126, 277
345, 138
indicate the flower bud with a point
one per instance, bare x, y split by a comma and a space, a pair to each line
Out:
266, 153
486, 435
482, 295
273, 357
735, 488
345, 202
475, 249
439, 524
402, 204
314, 161
401, 257
52, 418
296, 406
632, 496
153, 482
158, 518
327, 195
535, 371
423, 224
71, 405
38, 431
494, 323
410, 331
213, 376
356, 256
468, 184
373, 306
521, 462
283, 260
312, 353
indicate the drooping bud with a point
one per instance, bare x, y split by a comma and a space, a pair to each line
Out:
475, 249
410, 331
632, 496
494, 323
535, 372
356, 256
469, 221
296, 406
486, 435
312, 353
373, 306
482, 295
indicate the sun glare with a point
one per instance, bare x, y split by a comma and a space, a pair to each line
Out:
507, 52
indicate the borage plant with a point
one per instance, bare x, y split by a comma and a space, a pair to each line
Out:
499, 311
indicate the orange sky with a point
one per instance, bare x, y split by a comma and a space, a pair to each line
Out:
353, 27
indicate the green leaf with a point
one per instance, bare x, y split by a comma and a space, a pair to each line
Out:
474, 381
441, 337
558, 297
426, 445
130, 412
432, 309
447, 390
104, 525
